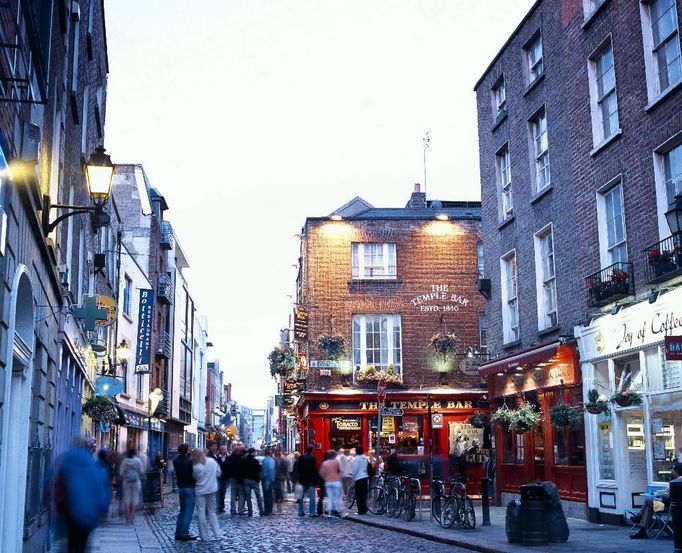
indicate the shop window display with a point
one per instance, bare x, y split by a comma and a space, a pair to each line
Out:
666, 434
569, 443
607, 470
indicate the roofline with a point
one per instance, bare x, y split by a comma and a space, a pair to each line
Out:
506, 43
431, 217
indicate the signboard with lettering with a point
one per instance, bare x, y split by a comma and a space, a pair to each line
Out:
439, 298
300, 323
144, 331
329, 364
673, 348
392, 412
346, 424
279, 401
409, 405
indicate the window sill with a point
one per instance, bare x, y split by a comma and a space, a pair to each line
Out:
507, 221
124, 395
127, 317
662, 96
549, 330
604, 143
139, 402
501, 118
535, 83
546, 190
510, 345
590, 17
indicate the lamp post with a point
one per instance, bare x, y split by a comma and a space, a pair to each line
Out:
674, 215
99, 172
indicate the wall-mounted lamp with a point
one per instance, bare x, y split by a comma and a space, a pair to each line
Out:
123, 353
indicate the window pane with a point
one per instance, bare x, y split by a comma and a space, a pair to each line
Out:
663, 19
672, 162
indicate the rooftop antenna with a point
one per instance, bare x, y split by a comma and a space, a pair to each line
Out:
426, 143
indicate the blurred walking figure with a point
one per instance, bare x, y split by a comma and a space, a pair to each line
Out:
182, 465
234, 467
282, 473
268, 477
206, 472
82, 495
251, 473
130, 474
347, 476
308, 478
331, 473
361, 476
289, 460
224, 479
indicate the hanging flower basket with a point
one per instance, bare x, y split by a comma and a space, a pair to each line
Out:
503, 416
479, 420
563, 415
100, 409
444, 344
525, 418
594, 405
331, 346
627, 398
282, 361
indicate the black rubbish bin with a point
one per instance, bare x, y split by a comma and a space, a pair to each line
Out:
512, 524
533, 514
676, 512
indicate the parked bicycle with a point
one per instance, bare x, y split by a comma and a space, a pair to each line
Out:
401, 500
455, 509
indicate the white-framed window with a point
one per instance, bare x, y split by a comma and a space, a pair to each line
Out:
499, 93
589, 6
534, 58
668, 174
510, 300
374, 260
604, 103
545, 278
127, 295
504, 179
661, 39
377, 341
483, 333
611, 219
540, 149
672, 172
480, 259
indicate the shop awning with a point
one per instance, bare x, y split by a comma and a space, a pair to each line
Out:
531, 356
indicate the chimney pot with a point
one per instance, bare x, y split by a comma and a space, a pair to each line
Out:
417, 187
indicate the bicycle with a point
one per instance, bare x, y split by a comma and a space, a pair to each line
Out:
350, 497
376, 497
458, 509
402, 500
442, 490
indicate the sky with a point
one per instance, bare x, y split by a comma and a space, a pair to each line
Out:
251, 115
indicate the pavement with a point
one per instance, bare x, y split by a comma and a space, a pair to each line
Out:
584, 536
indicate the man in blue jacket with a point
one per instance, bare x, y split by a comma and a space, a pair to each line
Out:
268, 475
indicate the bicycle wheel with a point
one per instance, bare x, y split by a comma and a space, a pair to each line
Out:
376, 500
350, 497
409, 506
449, 514
393, 507
437, 506
467, 514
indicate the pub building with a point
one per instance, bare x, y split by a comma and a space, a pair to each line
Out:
542, 376
385, 281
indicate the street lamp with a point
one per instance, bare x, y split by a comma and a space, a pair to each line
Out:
674, 215
123, 352
99, 172
155, 397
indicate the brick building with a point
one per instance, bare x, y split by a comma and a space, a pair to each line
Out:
387, 280
591, 90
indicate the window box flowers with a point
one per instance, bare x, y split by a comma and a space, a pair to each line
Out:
372, 374
662, 261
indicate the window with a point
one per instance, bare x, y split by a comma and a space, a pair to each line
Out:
373, 260
612, 227
510, 305
139, 392
480, 260
661, 45
672, 170
377, 341
503, 162
540, 146
589, 6
534, 58
483, 333
545, 278
602, 77
127, 296
499, 97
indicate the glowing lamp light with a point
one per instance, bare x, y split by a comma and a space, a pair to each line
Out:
155, 398
336, 217
123, 351
442, 217
99, 172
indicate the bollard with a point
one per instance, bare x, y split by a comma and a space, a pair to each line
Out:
485, 501
676, 512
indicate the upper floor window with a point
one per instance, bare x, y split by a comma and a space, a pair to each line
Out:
377, 341
545, 277
127, 296
602, 77
503, 162
538, 130
672, 170
611, 216
534, 58
374, 260
668, 174
499, 97
510, 300
661, 45
480, 259
483, 333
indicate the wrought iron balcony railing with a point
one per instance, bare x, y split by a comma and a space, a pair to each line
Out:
610, 284
663, 259
163, 344
164, 290
167, 237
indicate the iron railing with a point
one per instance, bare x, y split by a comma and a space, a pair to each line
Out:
611, 284
167, 237
164, 290
663, 259
163, 344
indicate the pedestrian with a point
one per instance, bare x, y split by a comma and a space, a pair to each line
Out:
206, 472
182, 465
323, 492
224, 479
289, 461
347, 476
159, 464
268, 476
234, 473
131, 473
359, 468
251, 474
331, 473
281, 478
82, 495
308, 478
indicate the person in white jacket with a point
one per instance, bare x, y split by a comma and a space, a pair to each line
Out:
206, 473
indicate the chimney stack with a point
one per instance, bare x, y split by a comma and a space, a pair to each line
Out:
417, 199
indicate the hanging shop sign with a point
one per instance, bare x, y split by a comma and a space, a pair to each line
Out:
673, 348
330, 364
300, 323
108, 386
290, 385
392, 412
108, 303
90, 313
346, 424
279, 400
144, 331
440, 298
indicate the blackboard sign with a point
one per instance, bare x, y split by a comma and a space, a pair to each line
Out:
151, 492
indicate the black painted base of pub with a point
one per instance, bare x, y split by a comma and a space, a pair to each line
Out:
599, 517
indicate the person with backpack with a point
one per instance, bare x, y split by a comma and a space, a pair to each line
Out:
130, 473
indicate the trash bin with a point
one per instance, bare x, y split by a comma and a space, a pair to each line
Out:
557, 527
676, 512
512, 521
533, 514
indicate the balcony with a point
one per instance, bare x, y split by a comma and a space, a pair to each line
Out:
167, 237
610, 284
164, 290
664, 259
163, 344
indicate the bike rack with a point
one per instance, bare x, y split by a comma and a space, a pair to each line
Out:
419, 487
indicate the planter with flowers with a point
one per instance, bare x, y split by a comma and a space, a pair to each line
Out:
595, 405
661, 261
444, 344
331, 346
100, 409
282, 361
627, 398
370, 375
525, 418
563, 415
503, 416
479, 420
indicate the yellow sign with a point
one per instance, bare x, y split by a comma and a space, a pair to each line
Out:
388, 424
108, 303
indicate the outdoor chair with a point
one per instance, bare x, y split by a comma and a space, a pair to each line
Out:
649, 492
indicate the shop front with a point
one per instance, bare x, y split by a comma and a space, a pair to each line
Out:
544, 377
342, 420
630, 446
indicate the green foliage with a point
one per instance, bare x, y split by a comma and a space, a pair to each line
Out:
503, 416
594, 405
479, 420
444, 344
563, 415
331, 346
282, 360
525, 418
100, 408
